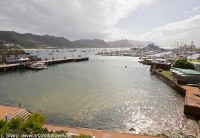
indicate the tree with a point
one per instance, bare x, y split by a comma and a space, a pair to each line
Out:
17, 126
184, 64
16, 123
34, 123
3, 127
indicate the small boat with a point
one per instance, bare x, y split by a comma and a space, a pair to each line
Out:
83, 50
50, 53
38, 66
72, 50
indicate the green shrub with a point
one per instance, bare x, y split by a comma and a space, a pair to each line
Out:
184, 64
33, 125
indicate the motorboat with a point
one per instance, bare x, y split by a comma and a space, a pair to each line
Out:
38, 66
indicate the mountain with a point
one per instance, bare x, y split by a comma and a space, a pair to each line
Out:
95, 43
33, 41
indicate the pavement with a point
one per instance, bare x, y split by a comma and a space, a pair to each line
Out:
94, 132
7, 110
11, 110
192, 102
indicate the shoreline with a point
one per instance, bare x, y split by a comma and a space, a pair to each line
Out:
13, 110
192, 102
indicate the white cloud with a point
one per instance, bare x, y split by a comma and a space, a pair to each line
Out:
195, 9
73, 19
183, 31
76, 19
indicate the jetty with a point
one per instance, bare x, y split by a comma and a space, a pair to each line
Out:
192, 101
9, 67
65, 60
19, 66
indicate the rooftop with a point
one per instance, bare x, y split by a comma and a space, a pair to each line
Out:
186, 71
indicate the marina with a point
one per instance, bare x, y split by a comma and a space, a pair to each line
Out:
80, 96
100, 69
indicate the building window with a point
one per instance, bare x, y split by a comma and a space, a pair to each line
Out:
16, 55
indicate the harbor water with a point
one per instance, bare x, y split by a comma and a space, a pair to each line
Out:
100, 94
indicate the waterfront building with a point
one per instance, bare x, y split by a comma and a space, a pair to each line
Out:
12, 56
161, 64
186, 76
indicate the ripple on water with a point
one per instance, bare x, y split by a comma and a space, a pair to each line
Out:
101, 95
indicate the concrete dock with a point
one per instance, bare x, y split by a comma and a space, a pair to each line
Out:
65, 60
18, 66
9, 67
192, 102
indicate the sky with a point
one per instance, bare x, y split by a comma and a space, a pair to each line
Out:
166, 22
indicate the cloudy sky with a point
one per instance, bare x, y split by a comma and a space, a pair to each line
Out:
161, 21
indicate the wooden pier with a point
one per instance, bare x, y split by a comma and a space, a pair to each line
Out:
11, 67
65, 60
18, 66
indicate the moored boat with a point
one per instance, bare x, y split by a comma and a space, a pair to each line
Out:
38, 66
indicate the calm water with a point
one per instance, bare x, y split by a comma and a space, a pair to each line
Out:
100, 93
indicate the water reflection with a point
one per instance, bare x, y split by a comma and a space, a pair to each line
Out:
101, 94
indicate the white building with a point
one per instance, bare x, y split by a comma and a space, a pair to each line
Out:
12, 56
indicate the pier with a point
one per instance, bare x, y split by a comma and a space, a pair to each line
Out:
65, 60
10, 67
18, 66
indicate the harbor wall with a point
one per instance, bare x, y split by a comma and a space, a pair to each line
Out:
170, 82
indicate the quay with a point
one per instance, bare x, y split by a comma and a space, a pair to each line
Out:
9, 67
18, 66
192, 102
65, 60
13, 111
